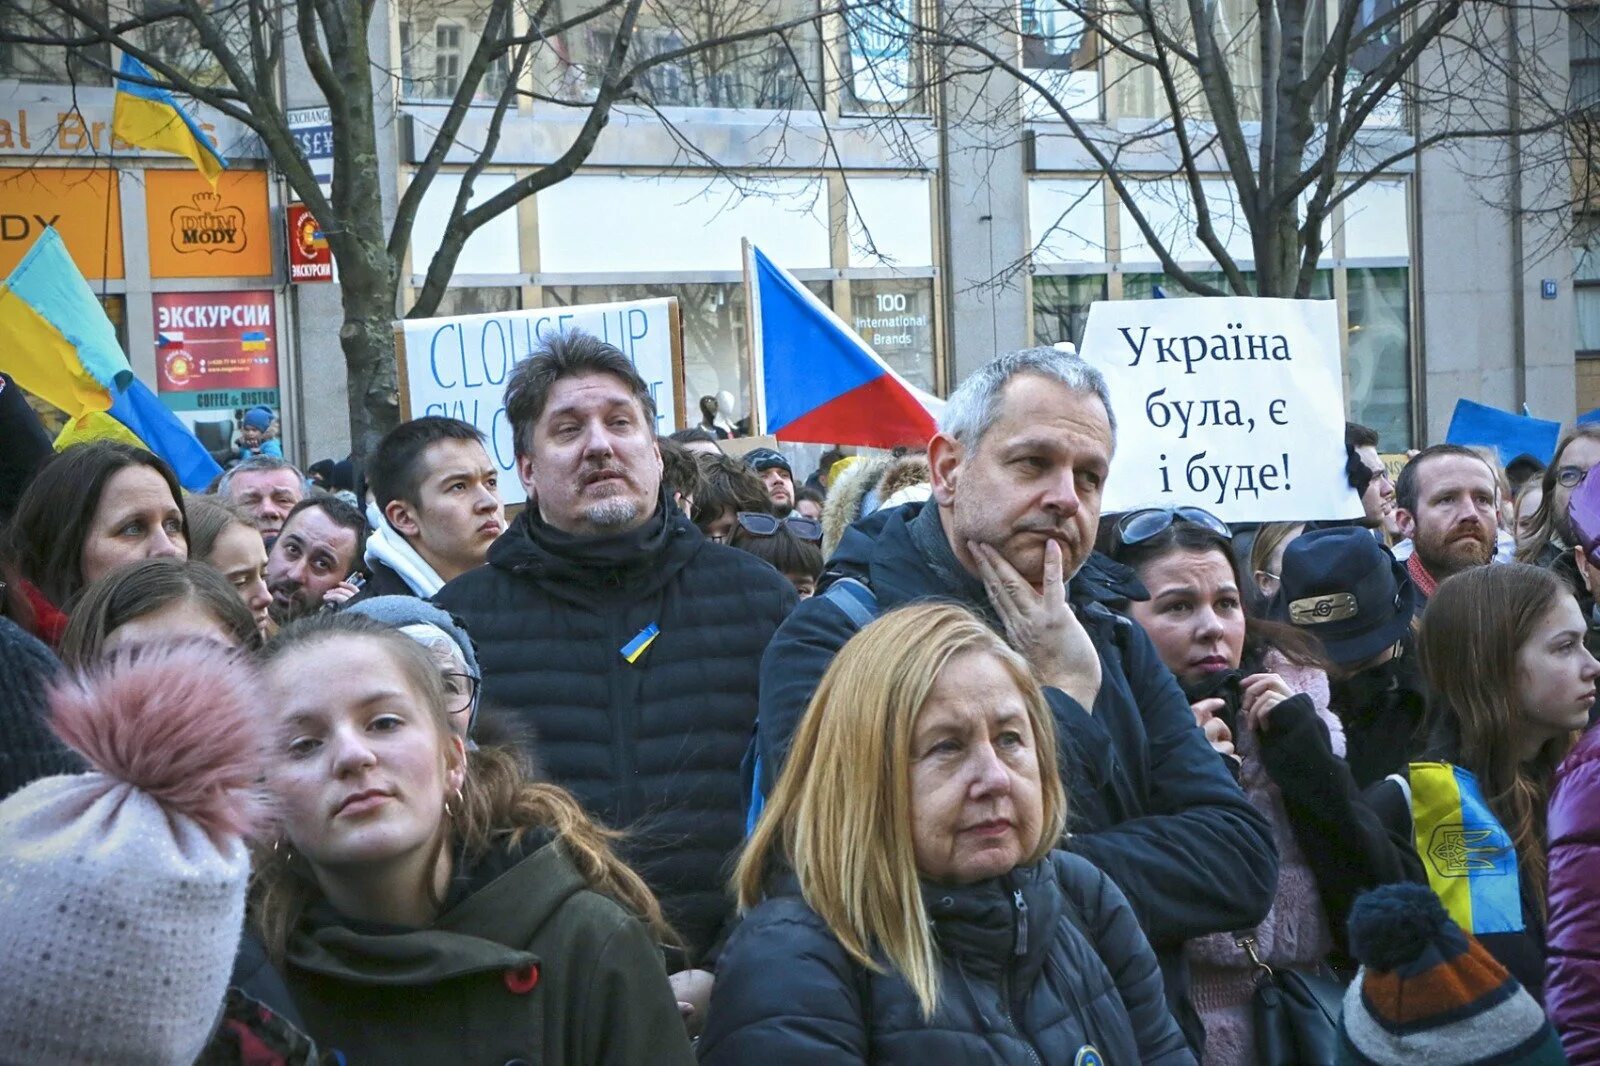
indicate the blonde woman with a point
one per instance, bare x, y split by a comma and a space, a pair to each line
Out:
902, 901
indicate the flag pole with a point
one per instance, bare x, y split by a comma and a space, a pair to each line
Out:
752, 325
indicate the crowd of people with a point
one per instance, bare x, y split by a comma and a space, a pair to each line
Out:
921, 759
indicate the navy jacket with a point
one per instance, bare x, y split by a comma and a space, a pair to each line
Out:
1149, 801
652, 746
1036, 967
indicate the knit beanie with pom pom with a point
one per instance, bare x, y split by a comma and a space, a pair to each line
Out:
1428, 992
122, 890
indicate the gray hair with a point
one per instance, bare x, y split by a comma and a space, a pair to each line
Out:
972, 410
260, 463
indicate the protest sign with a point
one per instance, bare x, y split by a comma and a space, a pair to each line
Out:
1233, 404
1476, 424
458, 367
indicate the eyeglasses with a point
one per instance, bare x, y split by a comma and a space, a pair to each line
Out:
460, 691
1136, 527
1570, 477
761, 524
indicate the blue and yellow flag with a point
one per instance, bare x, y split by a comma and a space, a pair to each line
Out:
57, 343
147, 116
1470, 858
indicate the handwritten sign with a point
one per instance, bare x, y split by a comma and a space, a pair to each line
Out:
1233, 404
458, 367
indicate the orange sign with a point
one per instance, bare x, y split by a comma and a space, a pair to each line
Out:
75, 203
196, 232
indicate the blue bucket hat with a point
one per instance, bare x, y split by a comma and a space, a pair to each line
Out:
1347, 590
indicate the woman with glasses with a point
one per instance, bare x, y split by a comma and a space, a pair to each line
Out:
789, 545
430, 904
1259, 693
1549, 536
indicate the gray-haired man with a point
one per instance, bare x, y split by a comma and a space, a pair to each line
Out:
1019, 466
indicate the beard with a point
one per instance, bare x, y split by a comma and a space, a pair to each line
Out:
615, 512
1455, 550
294, 606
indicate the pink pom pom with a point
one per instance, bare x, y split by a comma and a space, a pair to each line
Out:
177, 721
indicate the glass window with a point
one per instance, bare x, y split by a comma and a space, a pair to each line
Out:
1379, 333
1138, 88
715, 352
760, 72
1061, 305
1586, 285
881, 69
895, 316
1584, 52
437, 40
478, 301
51, 66
1148, 286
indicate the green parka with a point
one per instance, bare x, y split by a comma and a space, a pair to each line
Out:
525, 965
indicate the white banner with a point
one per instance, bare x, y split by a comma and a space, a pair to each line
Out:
1233, 404
458, 367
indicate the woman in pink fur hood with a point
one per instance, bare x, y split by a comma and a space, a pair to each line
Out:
1259, 693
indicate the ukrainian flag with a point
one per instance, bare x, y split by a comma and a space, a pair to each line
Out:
57, 343
147, 116
1470, 858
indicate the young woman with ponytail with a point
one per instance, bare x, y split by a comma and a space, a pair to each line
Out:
1511, 685
429, 905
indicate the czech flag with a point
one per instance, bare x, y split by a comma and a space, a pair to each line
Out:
820, 383
56, 342
147, 116
1470, 858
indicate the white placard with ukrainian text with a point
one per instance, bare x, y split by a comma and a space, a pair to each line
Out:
1233, 404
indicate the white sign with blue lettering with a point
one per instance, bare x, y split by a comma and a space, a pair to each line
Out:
312, 131
458, 367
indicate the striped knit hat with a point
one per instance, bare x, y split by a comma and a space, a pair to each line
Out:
1430, 993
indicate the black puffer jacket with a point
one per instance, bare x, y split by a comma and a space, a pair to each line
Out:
1036, 967
1150, 803
652, 746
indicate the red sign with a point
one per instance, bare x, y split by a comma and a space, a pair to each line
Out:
214, 341
310, 258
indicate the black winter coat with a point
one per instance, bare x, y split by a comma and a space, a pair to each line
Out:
1384, 712
652, 746
1151, 803
1036, 967
382, 580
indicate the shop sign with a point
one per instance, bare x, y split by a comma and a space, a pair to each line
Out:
310, 258
215, 348
312, 131
198, 232
83, 206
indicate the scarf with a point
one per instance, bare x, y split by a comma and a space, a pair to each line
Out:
388, 547
49, 621
1420, 577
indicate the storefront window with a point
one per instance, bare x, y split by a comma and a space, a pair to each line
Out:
478, 302
1061, 305
896, 318
1151, 286
759, 72
1380, 353
715, 352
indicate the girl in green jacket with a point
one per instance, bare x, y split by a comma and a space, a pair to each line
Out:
427, 905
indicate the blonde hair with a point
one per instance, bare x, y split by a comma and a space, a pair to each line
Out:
1269, 538
498, 803
840, 815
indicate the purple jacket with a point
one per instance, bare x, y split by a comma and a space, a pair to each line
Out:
1572, 962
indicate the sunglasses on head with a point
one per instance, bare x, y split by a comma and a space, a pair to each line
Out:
1136, 527
761, 524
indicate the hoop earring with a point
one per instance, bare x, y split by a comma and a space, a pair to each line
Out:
460, 802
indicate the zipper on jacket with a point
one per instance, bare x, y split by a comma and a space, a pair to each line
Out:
1005, 1012
1022, 921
